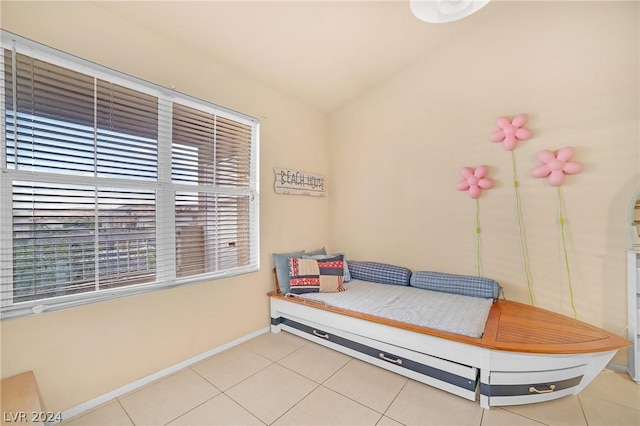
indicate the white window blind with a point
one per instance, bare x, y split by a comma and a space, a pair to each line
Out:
113, 186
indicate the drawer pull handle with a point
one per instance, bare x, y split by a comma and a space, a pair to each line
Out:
532, 389
395, 361
324, 336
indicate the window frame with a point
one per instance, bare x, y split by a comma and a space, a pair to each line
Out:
164, 187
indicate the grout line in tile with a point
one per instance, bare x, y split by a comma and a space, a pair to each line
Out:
193, 408
241, 406
294, 405
351, 399
609, 401
339, 369
309, 378
521, 415
305, 341
584, 415
221, 390
117, 399
358, 402
245, 379
161, 380
289, 354
394, 400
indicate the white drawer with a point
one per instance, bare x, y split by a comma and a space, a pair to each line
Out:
453, 377
509, 387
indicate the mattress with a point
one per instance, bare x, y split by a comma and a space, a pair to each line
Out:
448, 312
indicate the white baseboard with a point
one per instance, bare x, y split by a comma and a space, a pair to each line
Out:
92, 403
618, 367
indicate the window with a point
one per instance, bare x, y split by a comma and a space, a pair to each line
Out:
113, 186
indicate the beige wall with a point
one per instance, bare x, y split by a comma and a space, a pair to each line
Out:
393, 158
81, 353
397, 152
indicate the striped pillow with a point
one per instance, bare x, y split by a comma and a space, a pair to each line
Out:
316, 275
465, 285
379, 272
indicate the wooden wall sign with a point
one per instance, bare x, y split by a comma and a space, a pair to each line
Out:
299, 183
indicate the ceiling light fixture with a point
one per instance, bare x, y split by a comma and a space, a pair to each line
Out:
441, 11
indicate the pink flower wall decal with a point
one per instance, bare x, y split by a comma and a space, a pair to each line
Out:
511, 131
474, 181
556, 165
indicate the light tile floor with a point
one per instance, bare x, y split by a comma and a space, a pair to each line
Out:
282, 379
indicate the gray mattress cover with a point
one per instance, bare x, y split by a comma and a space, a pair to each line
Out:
441, 311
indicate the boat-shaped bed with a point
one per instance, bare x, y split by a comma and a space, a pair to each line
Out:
522, 354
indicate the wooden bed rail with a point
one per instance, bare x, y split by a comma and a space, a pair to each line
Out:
512, 327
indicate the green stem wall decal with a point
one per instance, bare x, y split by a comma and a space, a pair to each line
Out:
509, 133
554, 166
524, 254
564, 249
478, 242
474, 181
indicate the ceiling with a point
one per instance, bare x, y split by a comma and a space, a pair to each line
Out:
323, 53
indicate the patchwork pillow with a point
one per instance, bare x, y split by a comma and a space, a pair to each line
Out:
316, 276
465, 285
281, 261
379, 272
345, 275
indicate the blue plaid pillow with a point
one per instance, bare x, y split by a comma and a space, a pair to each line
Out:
465, 285
379, 272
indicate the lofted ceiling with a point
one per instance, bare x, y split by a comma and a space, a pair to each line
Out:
323, 53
